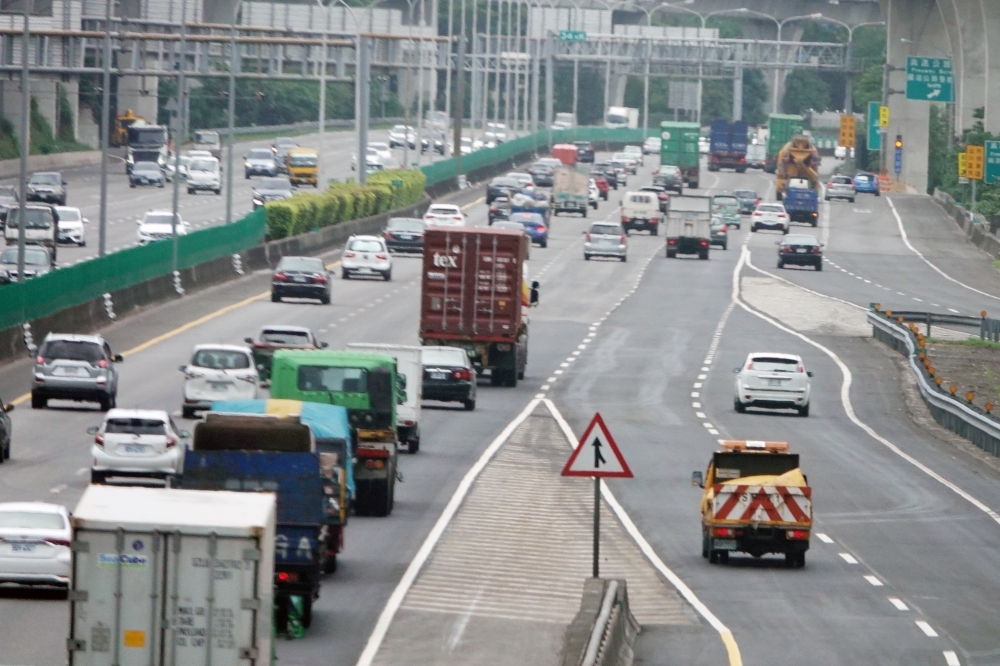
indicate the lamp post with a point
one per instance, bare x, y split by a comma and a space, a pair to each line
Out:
102, 240
22, 224
234, 62
181, 128
777, 70
322, 63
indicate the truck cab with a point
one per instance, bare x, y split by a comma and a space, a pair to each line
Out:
756, 500
302, 165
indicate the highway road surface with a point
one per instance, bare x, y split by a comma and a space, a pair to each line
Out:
903, 561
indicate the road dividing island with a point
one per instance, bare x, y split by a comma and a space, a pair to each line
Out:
506, 577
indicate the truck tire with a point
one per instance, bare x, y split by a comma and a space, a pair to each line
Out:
585, 212
703, 254
777, 195
307, 611
413, 445
655, 231
704, 546
330, 566
280, 614
671, 254
373, 497
795, 560
719, 557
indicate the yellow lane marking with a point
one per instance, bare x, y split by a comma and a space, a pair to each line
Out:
473, 203
735, 659
183, 328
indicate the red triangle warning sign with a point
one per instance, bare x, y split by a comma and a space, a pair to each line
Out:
597, 454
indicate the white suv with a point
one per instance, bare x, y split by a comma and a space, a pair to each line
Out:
775, 381
155, 225
204, 173
137, 443
366, 256
218, 372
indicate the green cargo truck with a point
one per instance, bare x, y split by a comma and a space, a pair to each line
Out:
368, 385
679, 147
780, 130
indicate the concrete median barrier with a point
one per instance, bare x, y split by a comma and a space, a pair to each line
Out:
604, 631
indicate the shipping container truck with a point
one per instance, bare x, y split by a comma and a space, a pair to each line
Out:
570, 191
409, 371
166, 576
473, 296
565, 153
780, 130
756, 500
366, 384
679, 147
728, 146
689, 227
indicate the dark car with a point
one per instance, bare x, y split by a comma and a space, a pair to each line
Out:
500, 209
748, 201
448, 376
6, 430
607, 169
534, 226
800, 250
145, 173
75, 367
405, 234
661, 194
584, 151
37, 262
670, 177
300, 277
542, 175
501, 186
271, 189
47, 186
8, 200
259, 162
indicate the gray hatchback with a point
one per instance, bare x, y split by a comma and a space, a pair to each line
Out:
605, 239
75, 367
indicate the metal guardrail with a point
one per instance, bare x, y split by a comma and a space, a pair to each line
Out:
977, 425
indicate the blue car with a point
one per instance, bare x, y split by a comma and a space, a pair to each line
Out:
534, 226
866, 183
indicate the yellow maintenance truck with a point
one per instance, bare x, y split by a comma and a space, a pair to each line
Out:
302, 165
756, 501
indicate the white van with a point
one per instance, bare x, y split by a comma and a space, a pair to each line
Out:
410, 369
641, 211
204, 173
42, 227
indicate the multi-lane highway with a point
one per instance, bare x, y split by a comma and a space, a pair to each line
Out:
902, 567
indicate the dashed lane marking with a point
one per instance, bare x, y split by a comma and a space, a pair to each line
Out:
847, 557
899, 604
951, 659
824, 538
874, 581
927, 629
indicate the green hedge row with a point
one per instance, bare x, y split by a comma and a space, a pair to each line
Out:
340, 202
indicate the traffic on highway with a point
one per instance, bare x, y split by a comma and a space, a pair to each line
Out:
358, 452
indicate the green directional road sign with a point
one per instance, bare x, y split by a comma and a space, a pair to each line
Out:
572, 36
992, 161
874, 131
929, 79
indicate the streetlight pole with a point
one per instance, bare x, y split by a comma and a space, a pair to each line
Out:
848, 92
181, 128
447, 71
22, 224
778, 69
322, 73
234, 62
102, 239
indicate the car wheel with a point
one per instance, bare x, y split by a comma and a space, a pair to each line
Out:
38, 402
275, 298
819, 265
877, 194
97, 478
604, 195
851, 199
784, 231
187, 412
543, 244
325, 300
753, 228
105, 402
413, 445
725, 246
585, 212
586, 257
246, 174
739, 406
655, 231
671, 254
387, 275
826, 198
344, 274
803, 411
132, 185
624, 258
190, 191
703, 254
469, 405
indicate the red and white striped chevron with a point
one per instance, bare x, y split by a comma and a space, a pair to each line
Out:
762, 504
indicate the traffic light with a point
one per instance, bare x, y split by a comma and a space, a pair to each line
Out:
899, 142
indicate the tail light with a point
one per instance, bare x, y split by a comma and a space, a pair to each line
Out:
280, 277
350, 255
724, 229
749, 365
830, 185
541, 228
374, 464
39, 360
461, 374
723, 532
663, 197
781, 216
742, 160
756, 202
704, 243
99, 439
287, 576
815, 214
816, 249
102, 363
171, 442
756, 213
381, 256
786, 248
622, 239
387, 235
797, 535
671, 241
494, 209
58, 542
260, 345
799, 368
624, 220
587, 236
319, 277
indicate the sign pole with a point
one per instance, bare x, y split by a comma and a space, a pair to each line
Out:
597, 527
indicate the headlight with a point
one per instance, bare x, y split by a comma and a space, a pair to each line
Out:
258, 202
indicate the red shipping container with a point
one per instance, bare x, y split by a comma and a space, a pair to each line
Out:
565, 153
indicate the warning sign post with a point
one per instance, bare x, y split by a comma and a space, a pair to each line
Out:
596, 455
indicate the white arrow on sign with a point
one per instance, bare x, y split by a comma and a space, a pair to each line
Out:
934, 93
597, 454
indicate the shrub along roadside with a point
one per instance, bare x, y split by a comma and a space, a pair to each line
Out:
340, 202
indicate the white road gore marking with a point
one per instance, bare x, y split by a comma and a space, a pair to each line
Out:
951, 659
927, 629
899, 604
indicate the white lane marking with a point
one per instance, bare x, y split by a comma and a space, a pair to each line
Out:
82, 471
847, 557
917, 299
727, 636
700, 415
906, 240
697, 384
544, 387
898, 603
551, 379
58, 489
874, 581
824, 538
695, 394
708, 425
702, 376
564, 365
410, 575
868, 281
845, 396
899, 293
953, 310
927, 629
696, 405
713, 431
951, 659
705, 369
539, 396
557, 372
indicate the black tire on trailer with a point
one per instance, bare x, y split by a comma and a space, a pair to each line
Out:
307, 611
413, 445
281, 614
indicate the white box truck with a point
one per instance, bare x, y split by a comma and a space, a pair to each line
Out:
621, 116
689, 226
178, 577
570, 191
410, 368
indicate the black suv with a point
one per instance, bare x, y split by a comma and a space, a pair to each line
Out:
501, 186
584, 151
542, 175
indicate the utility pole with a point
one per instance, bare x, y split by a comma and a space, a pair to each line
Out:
459, 102
447, 71
234, 62
102, 239
645, 90
322, 73
363, 79
181, 127
549, 83
22, 223
536, 71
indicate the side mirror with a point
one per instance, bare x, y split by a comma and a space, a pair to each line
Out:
92, 430
86, 221
697, 479
809, 373
249, 341
324, 345
533, 298
8, 408
182, 368
118, 358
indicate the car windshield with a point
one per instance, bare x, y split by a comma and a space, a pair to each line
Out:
31, 520
405, 224
303, 159
8, 193
206, 137
525, 218
799, 240
632, 150
745, 194
774, 364
641, 199
282, 184
450, 357
725, 201
203, 165
622, 156
335, 380
159, 218
276, 336
365, 246
45, 179
862, 178
516, 226
69, 214
72, 350
606, 229
442, 210
135, 426
220, 359
146, 166
33, 256
38, 218
770, 208
285, 143
841, 180
301, 264
260, 154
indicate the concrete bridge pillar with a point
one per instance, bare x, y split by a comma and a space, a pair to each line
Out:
139, 93
42, 89
991, 25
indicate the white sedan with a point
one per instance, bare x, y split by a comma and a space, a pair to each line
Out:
772, 380
444, 215
770, 216
71, 229
380, 149
218, 372
137, 443
366, 256
35, 542
156, 225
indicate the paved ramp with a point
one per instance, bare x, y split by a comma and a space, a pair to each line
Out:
507, 578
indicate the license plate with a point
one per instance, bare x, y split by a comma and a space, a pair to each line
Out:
774, 382
364, 270
439, 375
22, 547
724, 544
220, 386
70, 372
801, 250
405, 237
299, 279
135, 448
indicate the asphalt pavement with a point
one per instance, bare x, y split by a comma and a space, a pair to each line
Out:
902, 566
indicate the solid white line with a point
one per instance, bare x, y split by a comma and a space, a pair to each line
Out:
647, 550
927, 629
951, 659
824, 538
874, 581
410, 575
847, 557
906, 240
898, 603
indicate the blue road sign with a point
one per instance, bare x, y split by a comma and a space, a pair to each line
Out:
898, 163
